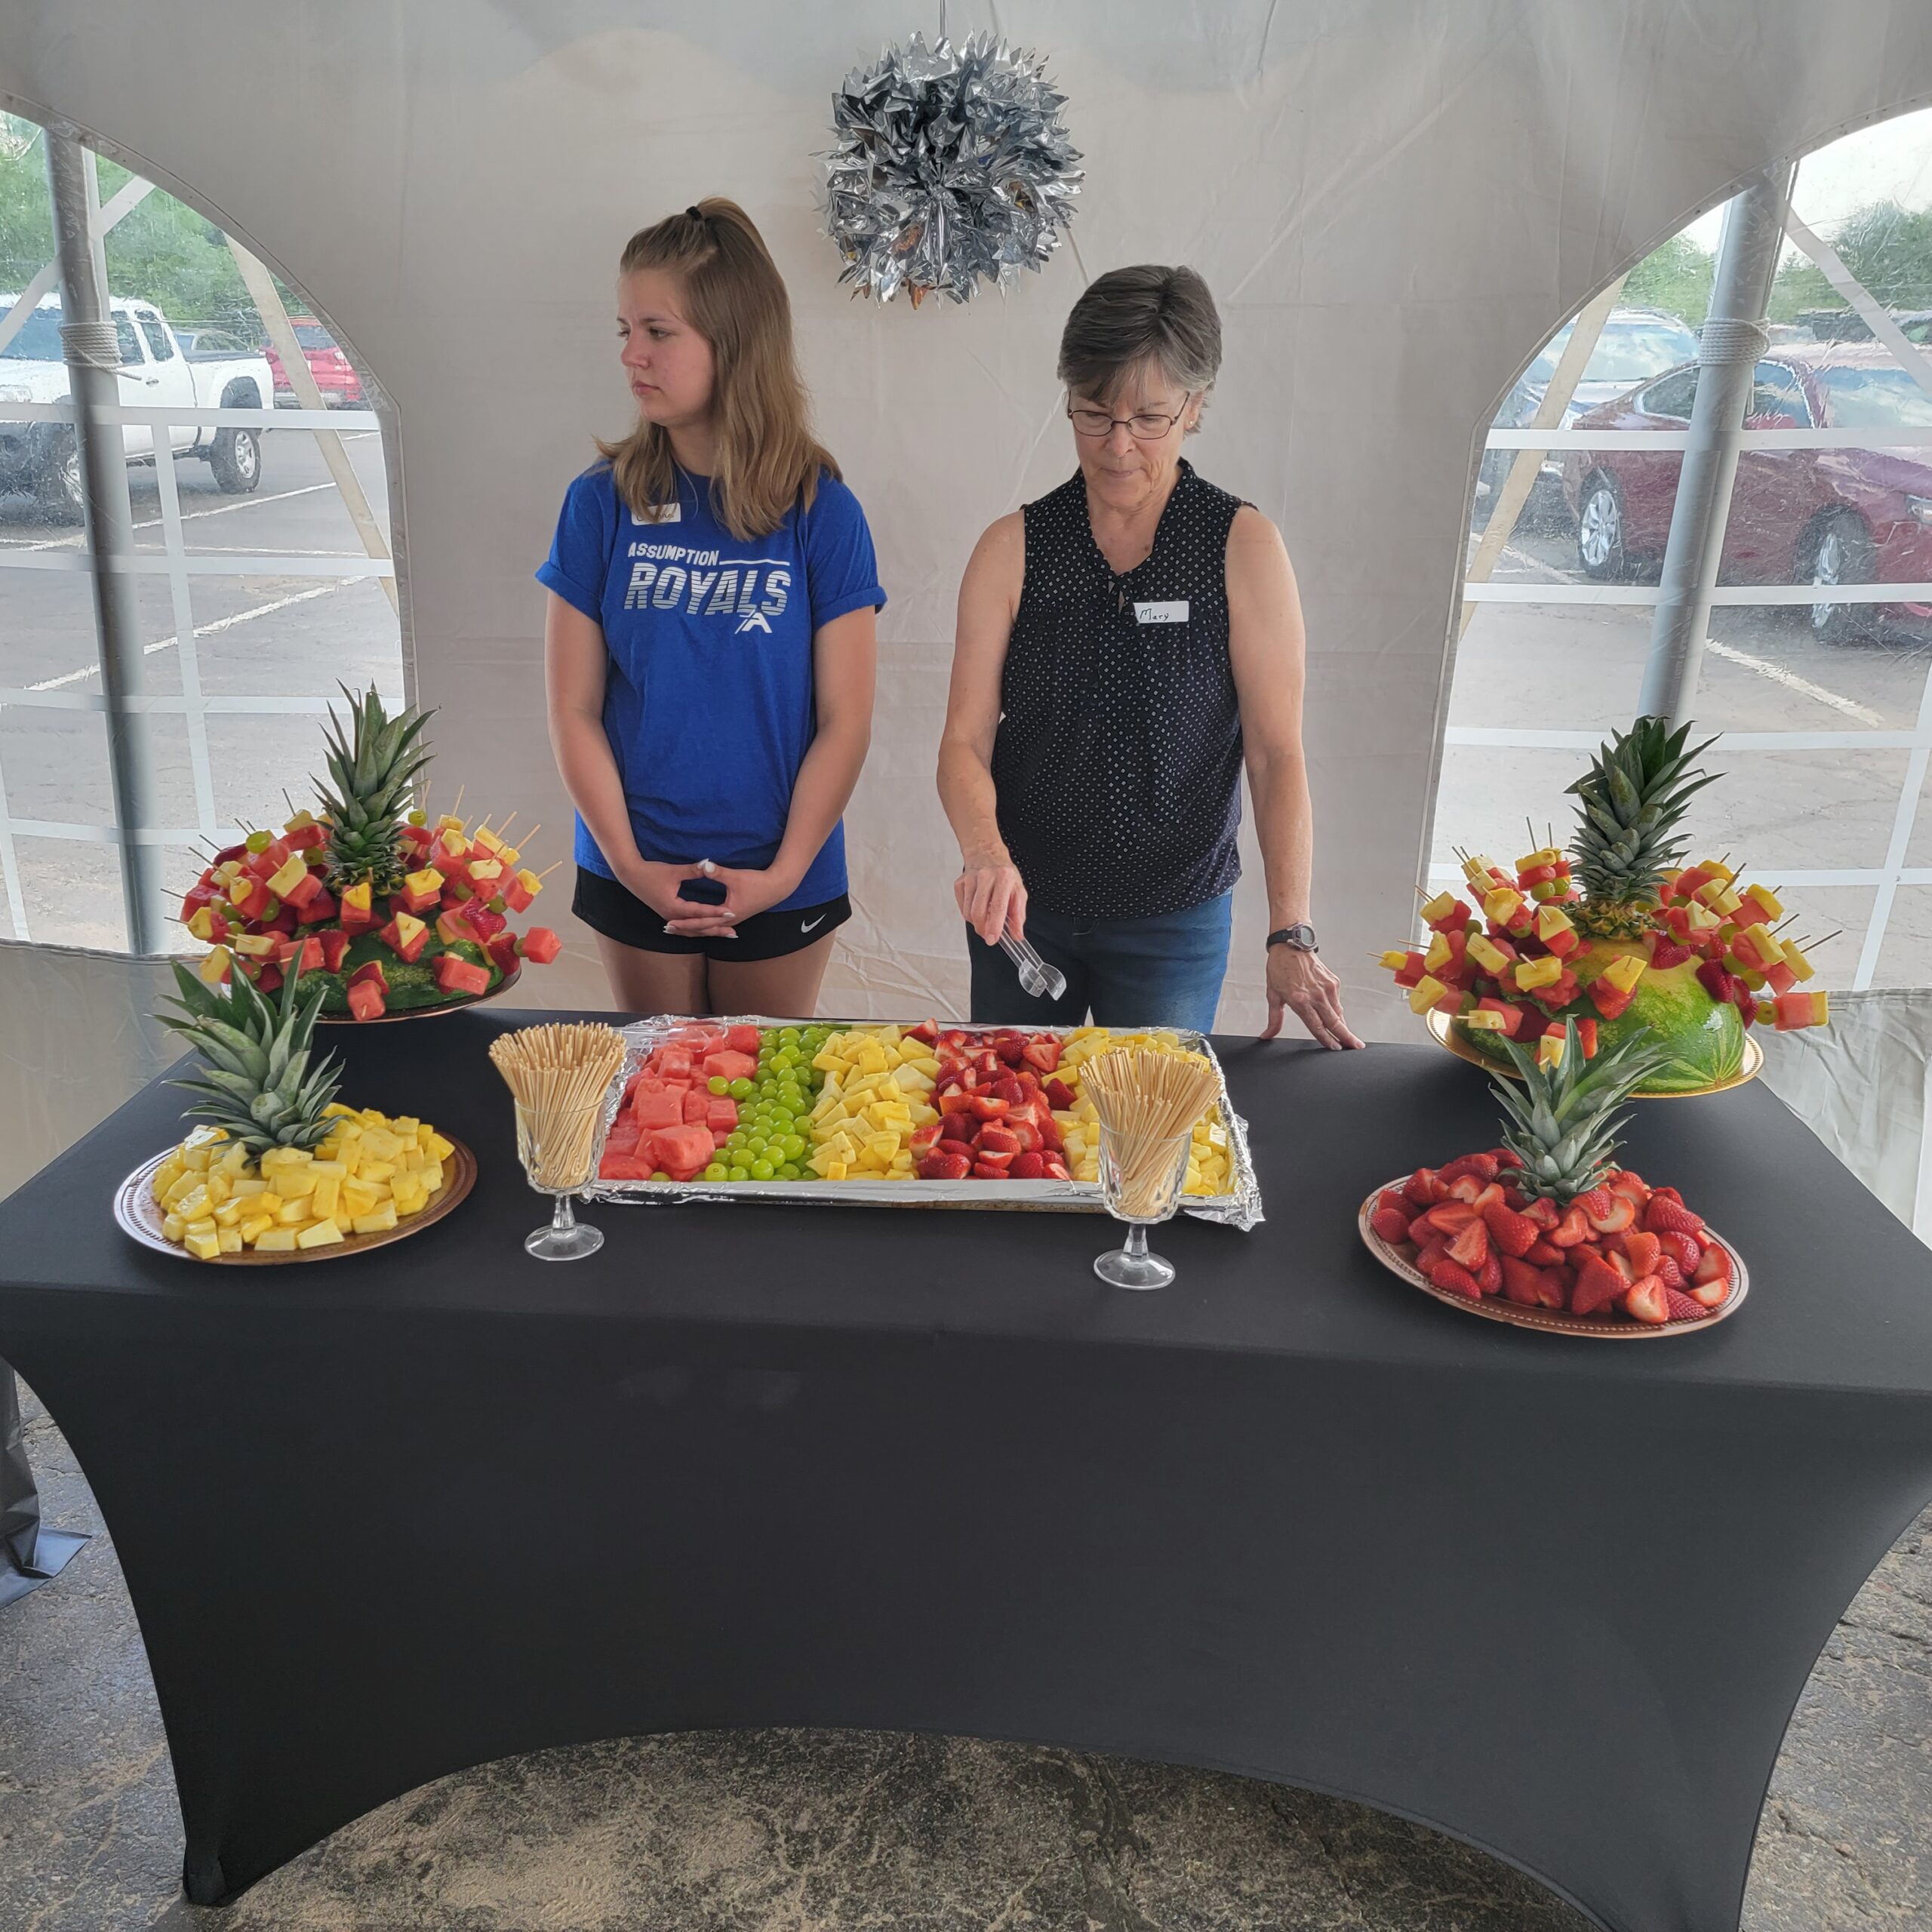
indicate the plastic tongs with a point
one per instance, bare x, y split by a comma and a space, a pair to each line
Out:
1036, 977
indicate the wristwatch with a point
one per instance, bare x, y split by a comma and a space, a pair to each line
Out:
1301, 937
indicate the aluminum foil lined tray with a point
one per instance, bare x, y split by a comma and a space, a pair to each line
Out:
1240, 1208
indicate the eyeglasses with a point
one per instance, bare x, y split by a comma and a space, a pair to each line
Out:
1147, 427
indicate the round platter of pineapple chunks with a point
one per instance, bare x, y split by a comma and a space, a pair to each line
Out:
1616, 935
1547, 1230
278, 1169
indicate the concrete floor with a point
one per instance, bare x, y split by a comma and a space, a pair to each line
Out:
798, 1831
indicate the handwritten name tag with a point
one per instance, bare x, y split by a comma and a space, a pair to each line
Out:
1175, 612
660, 513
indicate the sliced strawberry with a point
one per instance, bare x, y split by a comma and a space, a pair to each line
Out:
1470, 1249
998, 1141
1027, 1166
1667, 954
983, 1171
1543, 1212
1666, 1217
1487, 1198
1713, 1265
1622, 1263
1685, 1249
1423, 1188
1513, 1233
1644, 1249
1393, 1197
1514, 1199
1043, 1051
1624, 1181
958, 1127
1682, 1308
1505, 1158
1009, 1090
924, 1138
1553, 1287
1056, 1170
1431, 1253
984, 1156
1597, 1285
1648, 1301
985, 1107
1521, 1282
1466, 1186
1388, 1225
1572, 1229
1669, 1274
945, 1166
1618, 1212
1011, 1048
1447, 1275
1060, 1096
1545, 1255
1452, 1217
1489, 1276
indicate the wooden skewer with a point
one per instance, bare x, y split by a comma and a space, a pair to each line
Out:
549, 869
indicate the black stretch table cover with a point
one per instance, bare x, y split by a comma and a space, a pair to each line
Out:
387, 1517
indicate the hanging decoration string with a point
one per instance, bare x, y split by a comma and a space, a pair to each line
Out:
952, 168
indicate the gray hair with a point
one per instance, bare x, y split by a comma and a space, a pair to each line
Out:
1134, 315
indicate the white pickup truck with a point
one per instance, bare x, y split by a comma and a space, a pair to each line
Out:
154, 372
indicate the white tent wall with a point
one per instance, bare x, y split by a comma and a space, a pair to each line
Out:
1395, 201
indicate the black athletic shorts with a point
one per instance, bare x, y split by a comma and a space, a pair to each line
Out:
606, 907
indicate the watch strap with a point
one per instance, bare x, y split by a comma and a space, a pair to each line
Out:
1301, 937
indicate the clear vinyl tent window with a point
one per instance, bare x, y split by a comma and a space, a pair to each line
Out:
260, 553
1817, 673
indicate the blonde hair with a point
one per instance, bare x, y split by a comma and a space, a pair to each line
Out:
768, 460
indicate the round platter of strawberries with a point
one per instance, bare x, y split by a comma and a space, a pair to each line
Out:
1547, 1231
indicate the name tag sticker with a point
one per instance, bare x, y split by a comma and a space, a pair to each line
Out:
1175, 612
660, 513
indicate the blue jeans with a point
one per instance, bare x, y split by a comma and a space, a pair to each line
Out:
1165, 970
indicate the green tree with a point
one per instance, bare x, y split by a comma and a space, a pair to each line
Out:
1675, 278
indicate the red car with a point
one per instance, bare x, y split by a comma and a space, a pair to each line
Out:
1826, 516
335, 374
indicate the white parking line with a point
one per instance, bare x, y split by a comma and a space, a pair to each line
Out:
201, 630
187, 516
1792, 681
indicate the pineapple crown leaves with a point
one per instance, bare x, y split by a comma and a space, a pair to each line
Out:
375, 754
1561, 1123
257, 1082
1636, 790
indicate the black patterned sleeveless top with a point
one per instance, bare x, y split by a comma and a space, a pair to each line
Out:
1118, 756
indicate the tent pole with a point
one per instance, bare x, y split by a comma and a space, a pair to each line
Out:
1732, 339
94, 360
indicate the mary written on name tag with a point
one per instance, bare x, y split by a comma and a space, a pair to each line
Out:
1174, 612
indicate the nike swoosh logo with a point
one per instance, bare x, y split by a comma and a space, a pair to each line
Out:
809, 923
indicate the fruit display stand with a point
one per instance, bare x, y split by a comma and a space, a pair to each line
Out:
1288, 1517
1445, 1032
909, 1125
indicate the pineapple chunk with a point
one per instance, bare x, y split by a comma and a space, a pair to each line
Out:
374, 1170
431, 1176
295, 1183
203, 1247
379, 1142
167, 1174
215, 1183
293, 1214
326, 1191
412, 1159
195, 1159
277, 1241
228, 1214
434, 1143
231, 1241
173, 1228
377, 1221
252, 1230
409, 1195
358, 1197
245, 1187
318, 1234
267, 1203
337, 1110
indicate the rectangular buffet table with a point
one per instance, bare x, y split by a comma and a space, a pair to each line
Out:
398, 1513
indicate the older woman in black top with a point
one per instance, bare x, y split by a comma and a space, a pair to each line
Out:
1125, 645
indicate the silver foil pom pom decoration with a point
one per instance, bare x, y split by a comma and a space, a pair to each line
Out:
951, 167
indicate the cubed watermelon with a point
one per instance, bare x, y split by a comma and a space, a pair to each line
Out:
456, 975
334, 944
624, 1135
743, 1040
721, 1114
697, 1105
675, 1061
661, 1109
624, 1167
729, 1066
366, 1000
304, 889
539, 945
685, 1147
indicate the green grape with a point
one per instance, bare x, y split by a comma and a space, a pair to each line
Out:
792, 1146
761, 1170
735, 1142
739, 1174
660, 1175
758, 1143
741, 1089
784, 1060
789, 1172
719, 1085
789, 1036
717, 1171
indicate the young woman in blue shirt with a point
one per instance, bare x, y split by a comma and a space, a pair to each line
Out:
709, 645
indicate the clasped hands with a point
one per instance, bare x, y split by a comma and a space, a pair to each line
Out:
747, 893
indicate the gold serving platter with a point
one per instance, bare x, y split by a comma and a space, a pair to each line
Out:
1442, 1030
502, 986
139, 1216
1550, 1321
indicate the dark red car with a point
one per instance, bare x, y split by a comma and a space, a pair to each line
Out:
335, 374
1824, 516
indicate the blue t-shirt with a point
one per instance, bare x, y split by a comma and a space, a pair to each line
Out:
707, 700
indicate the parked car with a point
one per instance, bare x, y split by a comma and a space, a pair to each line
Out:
1636, 342
208, 341
335, 374
44, 458
1822, 516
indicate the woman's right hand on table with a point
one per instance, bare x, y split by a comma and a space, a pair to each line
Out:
657, 886
992, 896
